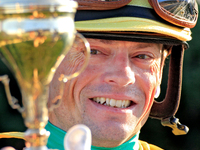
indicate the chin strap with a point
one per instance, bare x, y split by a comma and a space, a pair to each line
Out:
177, 127
166, 109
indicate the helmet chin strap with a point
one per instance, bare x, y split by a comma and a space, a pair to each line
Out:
166, 109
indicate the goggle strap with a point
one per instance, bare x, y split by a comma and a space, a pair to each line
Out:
170, 104
126, 11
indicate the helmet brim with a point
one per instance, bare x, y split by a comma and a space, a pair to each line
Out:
133, 24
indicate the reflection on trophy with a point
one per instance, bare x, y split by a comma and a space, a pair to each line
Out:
35, 36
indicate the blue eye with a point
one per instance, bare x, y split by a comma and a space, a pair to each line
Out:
94, 52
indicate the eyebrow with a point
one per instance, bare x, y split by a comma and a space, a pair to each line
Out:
143, 45
106, 41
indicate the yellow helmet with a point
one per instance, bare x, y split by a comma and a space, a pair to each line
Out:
136, 16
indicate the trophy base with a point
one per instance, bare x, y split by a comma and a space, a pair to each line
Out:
36, 139
37, 148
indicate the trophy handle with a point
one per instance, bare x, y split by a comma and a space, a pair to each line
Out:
65, 78
55, 103
11, 100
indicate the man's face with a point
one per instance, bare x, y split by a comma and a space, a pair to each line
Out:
113, 96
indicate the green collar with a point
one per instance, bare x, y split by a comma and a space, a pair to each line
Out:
57, 135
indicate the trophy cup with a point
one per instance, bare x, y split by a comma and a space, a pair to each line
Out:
35, 36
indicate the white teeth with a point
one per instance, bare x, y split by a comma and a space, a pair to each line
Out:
112, 102
127, 103
119, 103
98, 100
107, 101
102, 100
123, 104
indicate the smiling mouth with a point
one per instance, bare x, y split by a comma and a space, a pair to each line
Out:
112, 102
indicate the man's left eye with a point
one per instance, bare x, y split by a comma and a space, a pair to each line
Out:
142, 56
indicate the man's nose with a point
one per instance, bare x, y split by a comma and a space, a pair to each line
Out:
119, 72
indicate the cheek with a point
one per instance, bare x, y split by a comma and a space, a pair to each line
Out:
154, 75
156, 70
152, 80
91, 73
87, 77
70, 65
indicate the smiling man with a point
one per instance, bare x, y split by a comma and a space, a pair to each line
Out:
114, 96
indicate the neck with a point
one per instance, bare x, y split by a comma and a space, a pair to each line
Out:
57, 135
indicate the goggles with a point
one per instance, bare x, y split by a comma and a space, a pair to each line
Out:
182, 13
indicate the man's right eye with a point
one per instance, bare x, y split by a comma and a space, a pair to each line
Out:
94, 52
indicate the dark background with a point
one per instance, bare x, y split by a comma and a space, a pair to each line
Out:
153, 132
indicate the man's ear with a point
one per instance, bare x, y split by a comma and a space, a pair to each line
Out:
157, 93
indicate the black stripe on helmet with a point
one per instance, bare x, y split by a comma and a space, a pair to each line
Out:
126, 11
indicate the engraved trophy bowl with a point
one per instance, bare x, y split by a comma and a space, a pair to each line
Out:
35, 36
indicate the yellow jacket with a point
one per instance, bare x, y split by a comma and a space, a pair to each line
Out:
143, 145
146, 146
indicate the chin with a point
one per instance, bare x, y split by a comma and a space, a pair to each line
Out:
111, 133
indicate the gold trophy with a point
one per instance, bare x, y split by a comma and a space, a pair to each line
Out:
35, 36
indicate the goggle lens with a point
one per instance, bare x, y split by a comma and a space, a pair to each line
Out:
179, 12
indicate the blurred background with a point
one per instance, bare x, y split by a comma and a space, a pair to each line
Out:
153, 132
